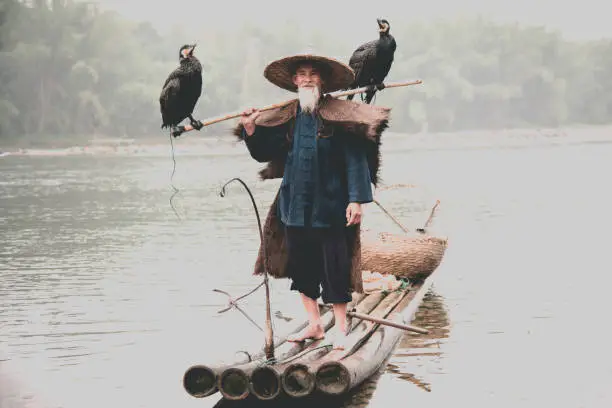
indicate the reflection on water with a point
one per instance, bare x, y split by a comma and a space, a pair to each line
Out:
106, 298
432, 315
422, 350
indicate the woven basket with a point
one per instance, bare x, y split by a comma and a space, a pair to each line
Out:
404, 256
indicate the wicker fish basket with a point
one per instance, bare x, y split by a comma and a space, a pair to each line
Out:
404, 256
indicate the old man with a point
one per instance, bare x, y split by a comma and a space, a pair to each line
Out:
327, 152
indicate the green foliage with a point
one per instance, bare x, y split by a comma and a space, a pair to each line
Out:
67, 68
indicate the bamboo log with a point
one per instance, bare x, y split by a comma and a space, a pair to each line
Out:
361, 333
271, 377
298, 377
234, 381
338, 377
337, 94
201, 380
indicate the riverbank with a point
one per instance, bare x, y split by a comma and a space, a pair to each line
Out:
226, 144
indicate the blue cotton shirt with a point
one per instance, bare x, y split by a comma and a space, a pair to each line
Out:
316, 188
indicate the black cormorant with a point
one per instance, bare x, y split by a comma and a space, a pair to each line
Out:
372, 60
182, 90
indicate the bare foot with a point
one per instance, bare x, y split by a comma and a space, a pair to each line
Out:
310, 332
340, 340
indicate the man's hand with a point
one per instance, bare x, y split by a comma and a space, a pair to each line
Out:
248, 120
353, 214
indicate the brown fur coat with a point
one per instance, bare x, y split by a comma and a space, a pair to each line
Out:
361, 122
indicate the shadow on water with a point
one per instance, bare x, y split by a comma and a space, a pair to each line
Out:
432, 315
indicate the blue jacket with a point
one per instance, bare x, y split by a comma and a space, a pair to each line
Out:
323, 173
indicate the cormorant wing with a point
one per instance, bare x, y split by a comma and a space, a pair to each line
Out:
174, 76
364, 54
169, 96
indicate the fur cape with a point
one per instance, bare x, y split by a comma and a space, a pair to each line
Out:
361, 123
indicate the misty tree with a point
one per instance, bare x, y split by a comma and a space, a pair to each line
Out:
69, 71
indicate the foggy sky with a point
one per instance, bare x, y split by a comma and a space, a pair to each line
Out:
583, 19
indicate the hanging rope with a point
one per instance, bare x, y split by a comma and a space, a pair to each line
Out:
172, 177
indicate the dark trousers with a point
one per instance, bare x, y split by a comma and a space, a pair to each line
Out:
318, 258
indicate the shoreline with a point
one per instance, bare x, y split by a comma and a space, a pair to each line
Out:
227, 144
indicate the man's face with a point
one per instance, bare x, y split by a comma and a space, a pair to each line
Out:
307, 76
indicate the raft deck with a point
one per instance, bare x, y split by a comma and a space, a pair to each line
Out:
300, 369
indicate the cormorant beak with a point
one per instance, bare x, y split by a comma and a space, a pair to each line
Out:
381, 26
192, 48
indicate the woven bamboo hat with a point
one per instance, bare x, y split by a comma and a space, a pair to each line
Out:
336, 75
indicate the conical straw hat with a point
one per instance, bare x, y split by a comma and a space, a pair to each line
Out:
280, 72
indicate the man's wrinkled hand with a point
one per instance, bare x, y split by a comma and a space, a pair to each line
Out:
248, 120
353, 214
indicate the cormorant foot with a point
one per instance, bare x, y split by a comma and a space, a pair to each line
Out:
177, 130
380, 86
196, 124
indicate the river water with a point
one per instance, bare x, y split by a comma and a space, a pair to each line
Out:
106, 296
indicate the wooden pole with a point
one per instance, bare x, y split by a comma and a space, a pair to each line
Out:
395, 220
337, 94
269, 334
433, 210
386, 322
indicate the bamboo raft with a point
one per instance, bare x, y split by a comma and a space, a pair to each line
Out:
377, 324
377, 320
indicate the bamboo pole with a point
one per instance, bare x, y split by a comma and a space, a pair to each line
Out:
386, 322
433, 210
395, 220
337, 94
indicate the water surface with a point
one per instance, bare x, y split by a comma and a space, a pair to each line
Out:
106, 297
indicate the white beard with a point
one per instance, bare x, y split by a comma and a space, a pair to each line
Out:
309, 98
